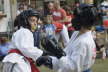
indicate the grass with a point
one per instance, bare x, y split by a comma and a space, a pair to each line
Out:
99, 66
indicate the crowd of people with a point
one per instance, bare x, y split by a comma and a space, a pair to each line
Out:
72, 27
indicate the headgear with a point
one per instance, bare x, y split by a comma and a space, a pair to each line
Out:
85, 16
22, 19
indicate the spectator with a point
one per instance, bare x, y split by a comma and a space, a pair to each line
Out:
49, 8
48, 27
58, 13
20, 9
69, 18
41, 12
59, 17
4, 47
104, 8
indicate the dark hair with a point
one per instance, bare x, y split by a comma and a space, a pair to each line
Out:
85, 16
21, 6
3, 40
67, 9
22, 19
45, 18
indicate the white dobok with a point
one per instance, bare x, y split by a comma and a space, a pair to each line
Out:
24, 42
80, 54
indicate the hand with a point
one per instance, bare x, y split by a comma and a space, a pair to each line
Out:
44, 60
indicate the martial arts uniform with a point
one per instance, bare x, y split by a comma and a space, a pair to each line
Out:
23, 41
80, 54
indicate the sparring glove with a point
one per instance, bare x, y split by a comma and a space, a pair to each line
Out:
44, 60
51, 45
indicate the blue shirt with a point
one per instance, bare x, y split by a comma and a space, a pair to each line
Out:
37, 37
4, 49
49, 29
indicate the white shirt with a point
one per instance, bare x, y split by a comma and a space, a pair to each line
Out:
80, 54
104, 6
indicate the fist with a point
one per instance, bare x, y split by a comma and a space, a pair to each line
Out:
44, 60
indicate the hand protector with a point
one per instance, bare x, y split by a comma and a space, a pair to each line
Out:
44, 60
50, 44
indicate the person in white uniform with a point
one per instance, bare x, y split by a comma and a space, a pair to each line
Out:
81, 50
22, 55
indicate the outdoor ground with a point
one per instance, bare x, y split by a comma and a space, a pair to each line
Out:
99, 66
